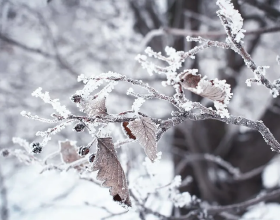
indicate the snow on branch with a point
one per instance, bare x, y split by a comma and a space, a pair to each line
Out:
61, 109
232, 22
235, 21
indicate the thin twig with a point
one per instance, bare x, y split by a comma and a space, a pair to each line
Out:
243, 205
237, 46
248, 175
111, 214
40, 52
208, 34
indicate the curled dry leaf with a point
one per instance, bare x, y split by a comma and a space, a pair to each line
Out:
110, 171
127, 130
68, 151
144, 129
216, 90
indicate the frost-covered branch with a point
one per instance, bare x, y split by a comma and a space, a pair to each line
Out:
206, 114
233, 22
209, 34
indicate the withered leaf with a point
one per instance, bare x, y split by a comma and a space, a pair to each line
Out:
216, 90
144, 129
189, 80
127, 130
68, 151
110, 171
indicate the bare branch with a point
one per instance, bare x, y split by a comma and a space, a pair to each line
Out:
237, 46
209, 34
59, 60
243, 205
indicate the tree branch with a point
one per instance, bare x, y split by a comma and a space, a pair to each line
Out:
209, 34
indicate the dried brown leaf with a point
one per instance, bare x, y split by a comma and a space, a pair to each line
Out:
110, 171
216, 90
144, 129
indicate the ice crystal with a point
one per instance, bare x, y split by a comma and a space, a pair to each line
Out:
137, 104
234, 18
61, 109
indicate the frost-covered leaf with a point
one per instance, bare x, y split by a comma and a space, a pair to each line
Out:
22, 142
216, 90
68, 151
127, 130
144, 129
94, 106
110, 171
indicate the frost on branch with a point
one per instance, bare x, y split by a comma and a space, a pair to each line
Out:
93, 105
259, 72
174, 59
110, 171
144, 129
260, 79
23, 143
23, 155
234, 18
178, 199
274, 92
54, 102
137, 104
52, 131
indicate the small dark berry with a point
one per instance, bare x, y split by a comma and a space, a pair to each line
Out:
79, 127
5, 153
83, 151
76, 98
91, 158
36, 148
